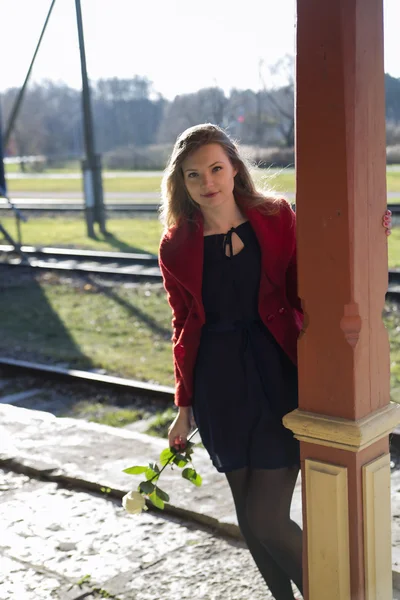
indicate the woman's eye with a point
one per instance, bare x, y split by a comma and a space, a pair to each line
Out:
218, 168
192, 175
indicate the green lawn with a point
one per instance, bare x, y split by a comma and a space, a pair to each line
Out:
115, 184
125, 331
394, 248
72, 166
278, 179
127, 235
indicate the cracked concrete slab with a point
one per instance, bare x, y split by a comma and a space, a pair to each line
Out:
68, 544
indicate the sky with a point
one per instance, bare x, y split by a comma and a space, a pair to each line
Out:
180, 46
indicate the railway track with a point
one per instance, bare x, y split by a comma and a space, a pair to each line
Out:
118, 384
64, 206
135, 266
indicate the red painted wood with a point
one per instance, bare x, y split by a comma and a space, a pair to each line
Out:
342, 246
341, 184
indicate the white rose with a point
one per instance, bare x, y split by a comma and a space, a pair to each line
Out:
134, 503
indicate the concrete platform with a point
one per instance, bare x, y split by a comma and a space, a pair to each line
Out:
93, 456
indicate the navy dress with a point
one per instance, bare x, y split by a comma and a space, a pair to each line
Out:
243, 382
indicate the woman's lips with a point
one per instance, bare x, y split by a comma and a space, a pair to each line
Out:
210, 195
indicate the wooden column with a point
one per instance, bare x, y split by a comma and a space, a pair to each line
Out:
344, 414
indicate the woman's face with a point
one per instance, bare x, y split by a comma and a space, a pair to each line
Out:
209, 176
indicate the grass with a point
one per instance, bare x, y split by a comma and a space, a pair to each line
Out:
107, 414
123, 331
279, 180
157, 423
127, 234
72, 166
160, 424
114, 184
107, 411
394, 248
282, 180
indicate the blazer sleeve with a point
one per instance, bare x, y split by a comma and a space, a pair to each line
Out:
291, 271
176, 302
179, 314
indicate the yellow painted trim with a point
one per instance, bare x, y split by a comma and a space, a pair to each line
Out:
327, 531
377, 529
343, 433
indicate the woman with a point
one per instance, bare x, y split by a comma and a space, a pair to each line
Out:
228, 259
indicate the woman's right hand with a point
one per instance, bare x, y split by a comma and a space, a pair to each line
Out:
180, 428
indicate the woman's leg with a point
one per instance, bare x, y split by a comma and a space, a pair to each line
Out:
275, 577
269, 498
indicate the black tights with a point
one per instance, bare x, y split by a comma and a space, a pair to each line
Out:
262, 499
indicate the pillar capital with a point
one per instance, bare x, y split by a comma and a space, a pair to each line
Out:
346, 434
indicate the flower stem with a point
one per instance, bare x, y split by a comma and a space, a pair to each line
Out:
172, 457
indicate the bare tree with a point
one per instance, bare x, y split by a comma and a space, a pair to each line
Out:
279, 93
206, 105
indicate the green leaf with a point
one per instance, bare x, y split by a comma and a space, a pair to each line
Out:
192, 476
188, 453
166, 456
146, 487
156, 500
154, 466
161, 494
135, 470
180, 460
150, 473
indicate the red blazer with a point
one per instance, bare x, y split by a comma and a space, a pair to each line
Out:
181, 263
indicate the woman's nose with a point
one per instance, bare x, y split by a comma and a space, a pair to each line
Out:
205, 179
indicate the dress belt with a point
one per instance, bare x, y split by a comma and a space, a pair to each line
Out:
228, 326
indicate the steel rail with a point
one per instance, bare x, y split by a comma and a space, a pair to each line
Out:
99, 256
120, 384
135, 266
143, 275
133, 207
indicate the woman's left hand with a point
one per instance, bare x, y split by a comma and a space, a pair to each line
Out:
387, 222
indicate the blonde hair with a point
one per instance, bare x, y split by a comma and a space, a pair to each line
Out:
176, 204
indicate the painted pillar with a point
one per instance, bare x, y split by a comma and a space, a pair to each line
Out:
344, 414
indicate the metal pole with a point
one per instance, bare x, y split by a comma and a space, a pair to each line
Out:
3, 183
16, 107
91, 166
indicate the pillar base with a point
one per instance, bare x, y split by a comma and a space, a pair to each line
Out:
346, 503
